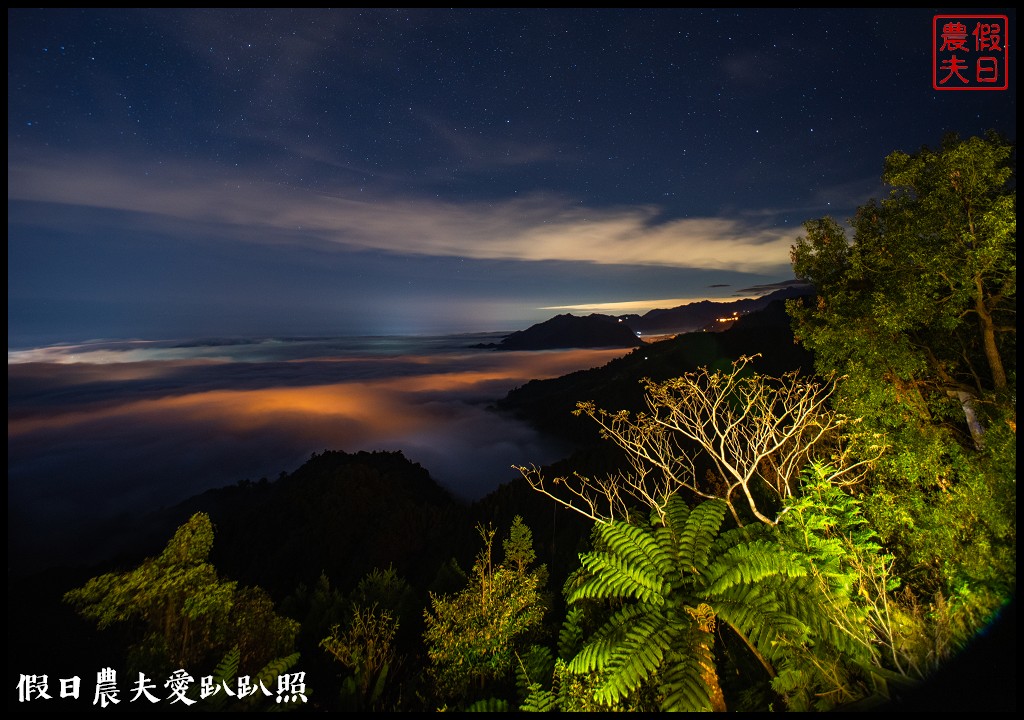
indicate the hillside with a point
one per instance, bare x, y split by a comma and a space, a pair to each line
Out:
597, 330
707, 314
571, 331
548, 404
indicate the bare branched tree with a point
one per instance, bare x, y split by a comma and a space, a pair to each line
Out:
757, 431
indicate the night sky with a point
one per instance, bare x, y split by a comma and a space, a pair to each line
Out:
226, 173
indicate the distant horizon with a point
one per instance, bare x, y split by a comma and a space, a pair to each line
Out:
18, 348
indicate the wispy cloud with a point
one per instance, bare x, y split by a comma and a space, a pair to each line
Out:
536, 228
476, 150
640, 306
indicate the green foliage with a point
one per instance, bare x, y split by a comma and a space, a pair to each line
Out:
570, 637
930, 278
367, 650
256, 627
226, 675
474, 636
518, 546
188, 615
859, 617
534, 666
824, 522
385, 588
364, 636
918, 313
805, 609
672, 583
539, 700
489, 705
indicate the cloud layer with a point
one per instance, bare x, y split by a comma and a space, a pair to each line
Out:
92, 439
540, 227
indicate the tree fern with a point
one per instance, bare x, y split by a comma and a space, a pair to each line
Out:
675, 582
684, 687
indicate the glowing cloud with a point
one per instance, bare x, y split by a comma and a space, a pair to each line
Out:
536, 228
639, 306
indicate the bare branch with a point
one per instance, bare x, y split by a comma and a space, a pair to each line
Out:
758, 432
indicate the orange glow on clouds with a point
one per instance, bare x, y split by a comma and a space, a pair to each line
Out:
88, 442
339, 414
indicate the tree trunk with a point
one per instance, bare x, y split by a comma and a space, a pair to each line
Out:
709, 674
988, 333
970, 413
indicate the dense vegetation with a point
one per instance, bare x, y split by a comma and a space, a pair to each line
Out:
756, 526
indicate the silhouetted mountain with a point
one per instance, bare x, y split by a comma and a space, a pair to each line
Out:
596, 330
570, 331
707, 314
548, 404
342, 514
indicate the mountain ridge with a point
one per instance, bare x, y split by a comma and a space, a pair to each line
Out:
599, 330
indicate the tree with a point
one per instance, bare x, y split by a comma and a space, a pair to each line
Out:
368, 644
191, 618
753, 434
680, 580
785, 582
473, 637
366, 649
925, 296
800, 581
950, 228
917, 312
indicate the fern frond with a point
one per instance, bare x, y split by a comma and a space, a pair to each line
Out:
757, 614
636, 658
676, 513
612, 577
227, 668
570, 637
633, 544
818, 612
534, 666
539, 700
489, 705
223, 675
602, 643
269, 674
698, 533
750, 563
670, 567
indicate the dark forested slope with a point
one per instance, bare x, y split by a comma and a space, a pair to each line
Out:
548, 404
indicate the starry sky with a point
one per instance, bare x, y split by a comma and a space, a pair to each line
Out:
223, 173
